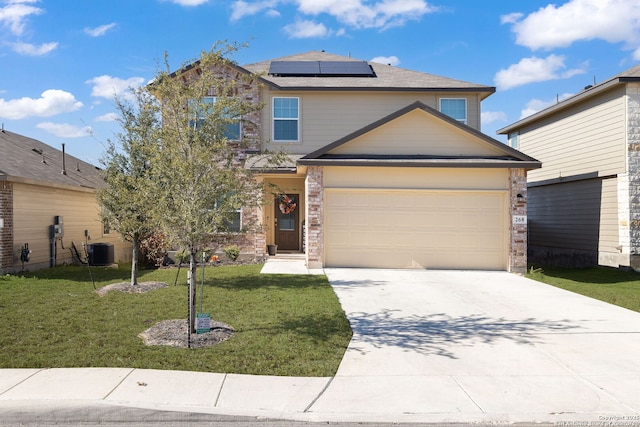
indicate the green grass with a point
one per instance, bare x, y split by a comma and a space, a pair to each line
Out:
614, 286
285, 324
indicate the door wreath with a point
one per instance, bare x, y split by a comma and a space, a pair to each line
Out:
287, 205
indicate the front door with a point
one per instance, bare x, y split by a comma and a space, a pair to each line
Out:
287, 207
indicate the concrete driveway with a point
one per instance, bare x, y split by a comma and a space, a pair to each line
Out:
480, 346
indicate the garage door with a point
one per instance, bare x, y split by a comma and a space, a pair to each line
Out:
416, 229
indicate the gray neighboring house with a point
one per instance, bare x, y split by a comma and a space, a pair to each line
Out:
584, 204
42, 187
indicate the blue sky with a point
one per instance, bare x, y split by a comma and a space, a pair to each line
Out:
63, 61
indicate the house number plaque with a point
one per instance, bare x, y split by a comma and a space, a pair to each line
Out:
519, 220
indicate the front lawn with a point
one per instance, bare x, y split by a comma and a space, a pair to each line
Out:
285, 324
606, 284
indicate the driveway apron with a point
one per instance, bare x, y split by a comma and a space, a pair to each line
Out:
480, 345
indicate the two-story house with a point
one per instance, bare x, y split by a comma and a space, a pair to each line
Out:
584, 206
387, 168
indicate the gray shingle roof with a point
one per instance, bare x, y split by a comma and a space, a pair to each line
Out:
388, 77
23, 158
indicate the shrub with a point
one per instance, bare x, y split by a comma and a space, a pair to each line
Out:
154, 249
232, 252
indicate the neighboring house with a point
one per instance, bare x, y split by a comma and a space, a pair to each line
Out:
584, 203
41, 189
388, 168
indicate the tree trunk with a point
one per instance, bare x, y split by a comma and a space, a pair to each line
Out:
134, 261
192, 291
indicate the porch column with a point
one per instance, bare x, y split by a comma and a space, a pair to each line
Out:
517, 229
633, 166
315, 235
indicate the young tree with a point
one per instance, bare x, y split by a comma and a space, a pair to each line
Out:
127, 199
200, 180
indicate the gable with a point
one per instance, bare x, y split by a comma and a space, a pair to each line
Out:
419, 136
417, 133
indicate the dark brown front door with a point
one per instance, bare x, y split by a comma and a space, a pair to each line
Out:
287, 229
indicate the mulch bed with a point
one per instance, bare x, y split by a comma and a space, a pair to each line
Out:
174, 333
126, 287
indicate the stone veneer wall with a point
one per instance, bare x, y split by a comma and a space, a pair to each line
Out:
517, 232
252, 244
6, 230
633, 159
314, 236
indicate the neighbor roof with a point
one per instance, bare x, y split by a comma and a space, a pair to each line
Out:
29, 160
509, 157
387, 77
630, 75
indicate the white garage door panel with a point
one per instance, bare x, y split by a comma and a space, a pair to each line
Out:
462, 229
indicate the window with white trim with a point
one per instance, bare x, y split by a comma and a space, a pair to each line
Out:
286, 119
455, 108
513, 140
231, 126
232, 222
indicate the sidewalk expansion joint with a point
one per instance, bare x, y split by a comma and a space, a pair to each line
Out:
313, 402
224, 379
119, 384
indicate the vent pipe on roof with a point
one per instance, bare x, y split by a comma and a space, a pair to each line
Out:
64, 165
2, 127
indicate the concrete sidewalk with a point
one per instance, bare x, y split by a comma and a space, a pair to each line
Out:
428, 346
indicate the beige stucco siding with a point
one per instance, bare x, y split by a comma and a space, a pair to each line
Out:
416, 178
328, 116
417, 132
586, 139
34, 210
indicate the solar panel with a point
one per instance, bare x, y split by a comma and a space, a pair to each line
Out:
302, 68
321, 69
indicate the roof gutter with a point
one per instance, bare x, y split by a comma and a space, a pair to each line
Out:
435, 163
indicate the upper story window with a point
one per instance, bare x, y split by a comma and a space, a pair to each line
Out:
513, 140
286, 119
455, 108
231, 126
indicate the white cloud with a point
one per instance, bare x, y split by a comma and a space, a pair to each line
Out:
615, 21
361, 14
110, 87
33, 50
353, 13
391, 60
306, 29
189, 2
511, 18
536, 105
533, 69
65, 130
241, 8
487, 117
109, 117
99, 31
50, 103
15, 14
